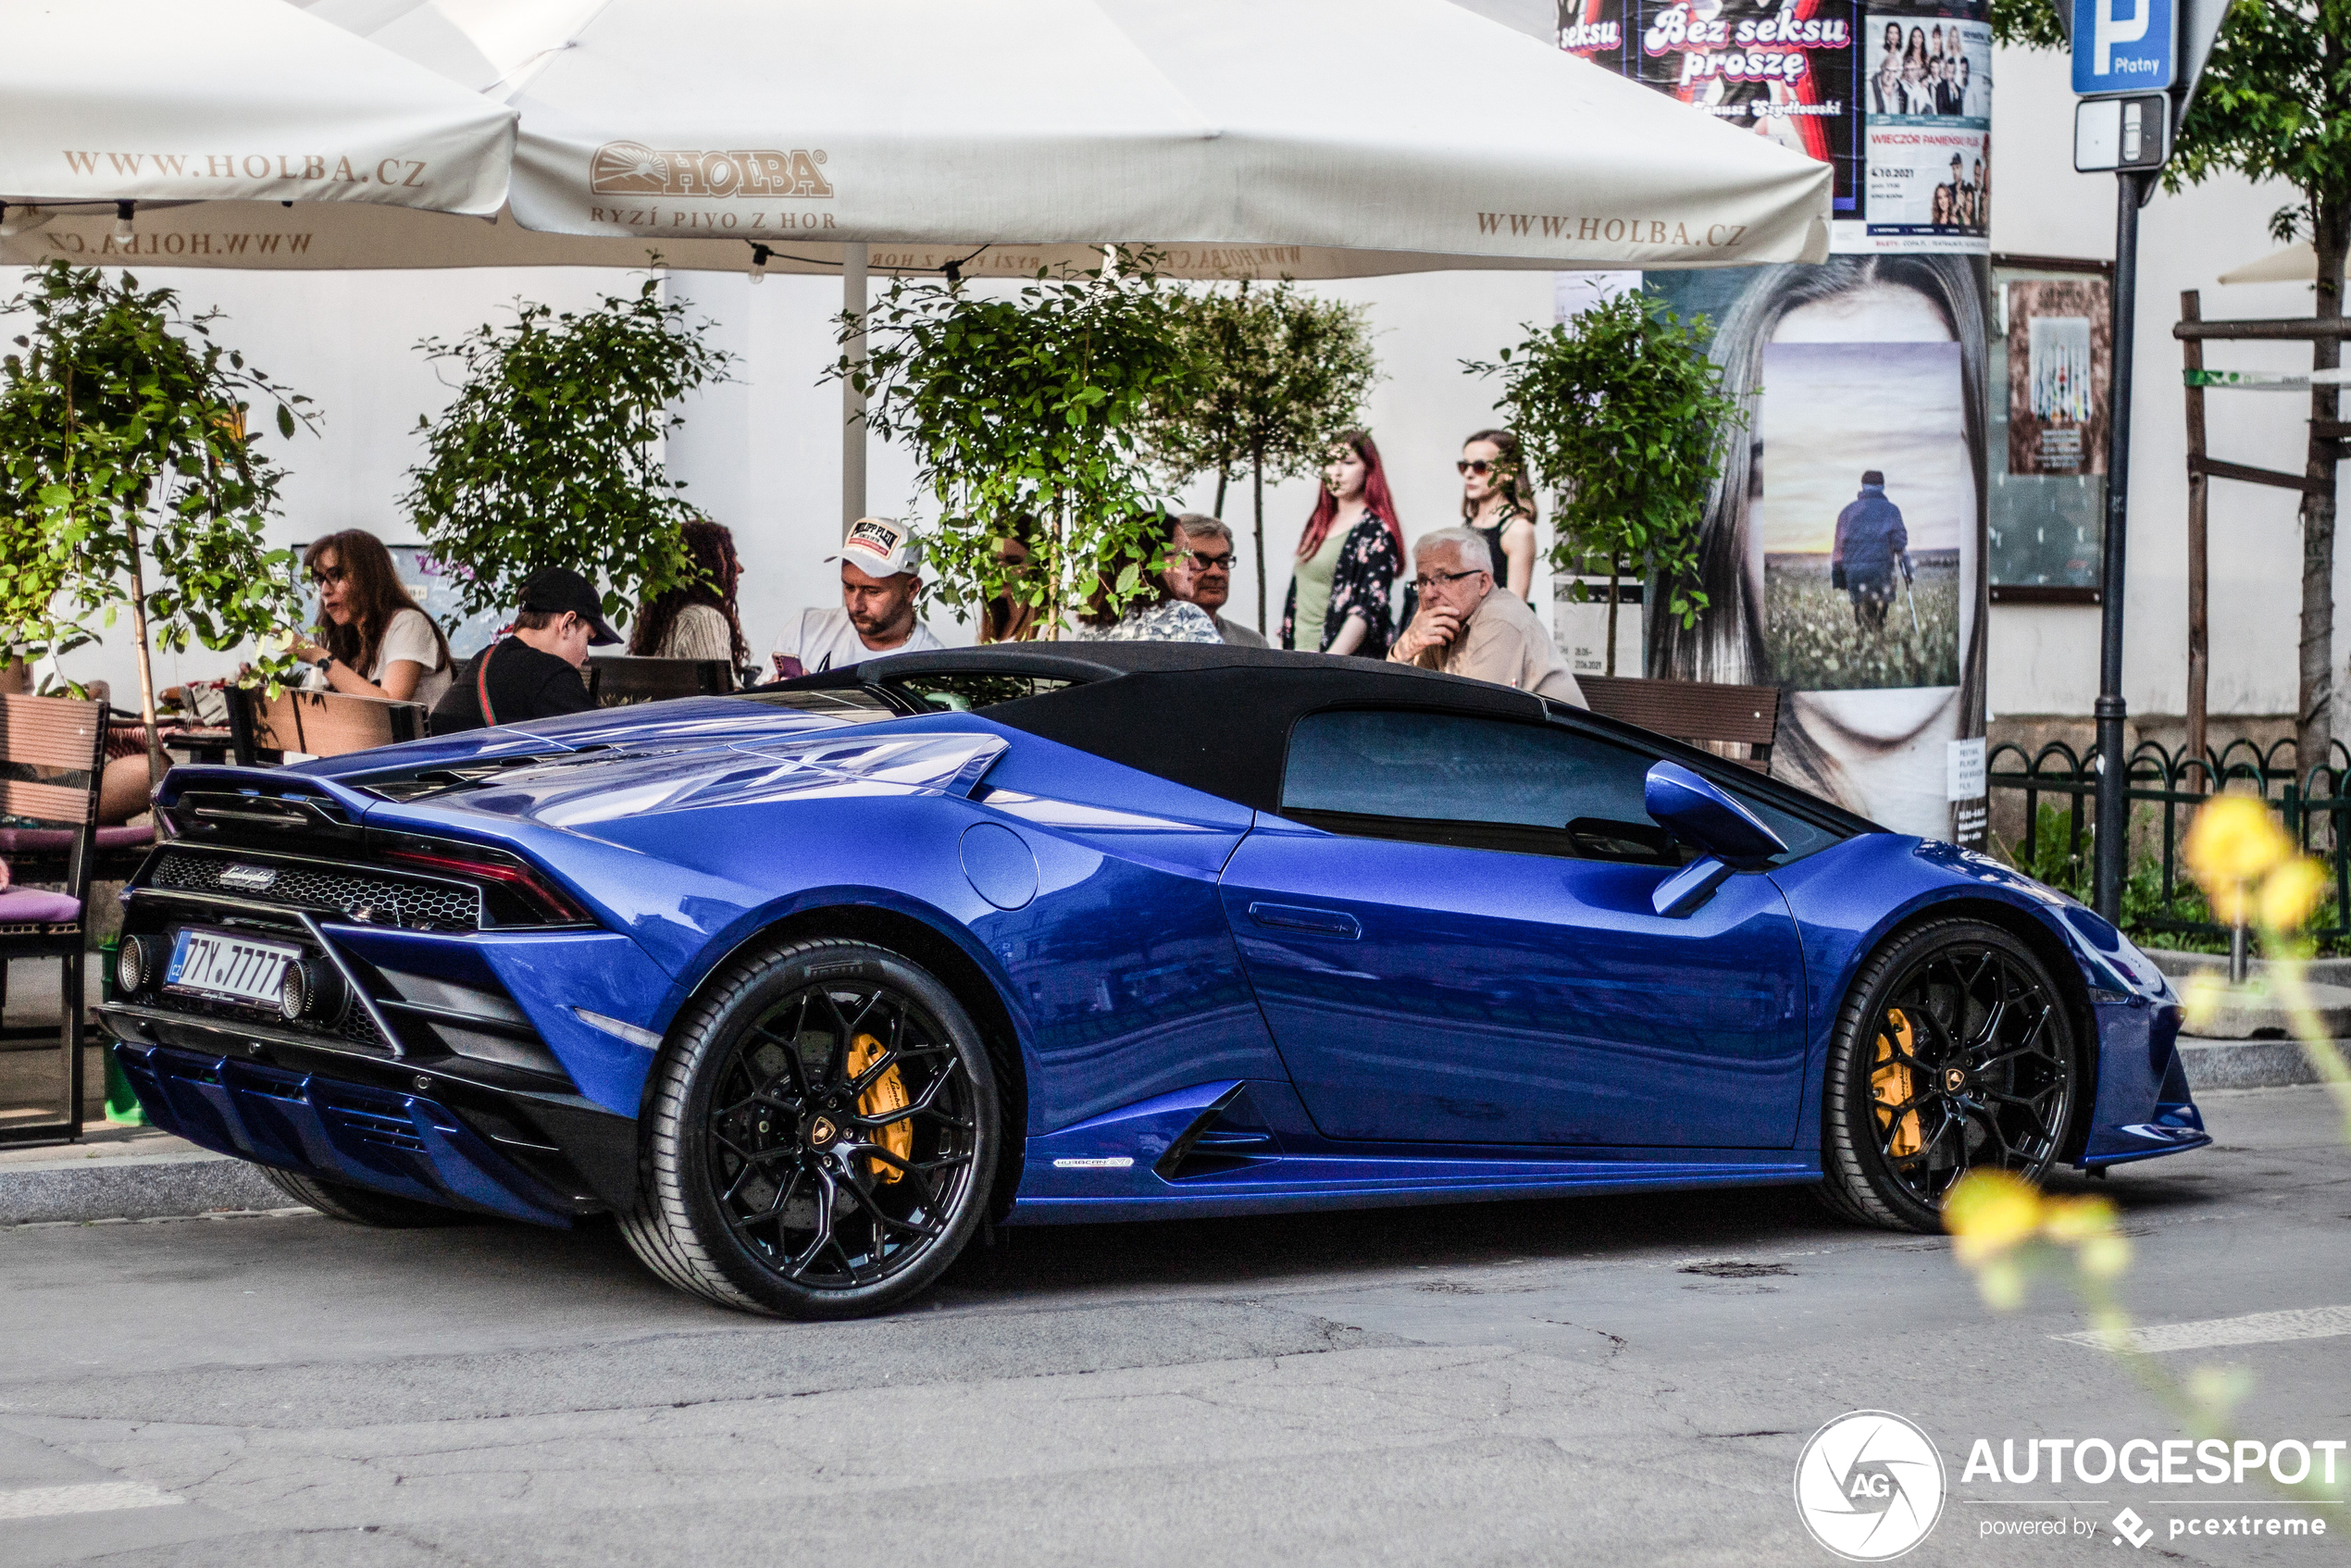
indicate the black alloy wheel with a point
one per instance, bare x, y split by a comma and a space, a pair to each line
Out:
1956, 1053
819, 1136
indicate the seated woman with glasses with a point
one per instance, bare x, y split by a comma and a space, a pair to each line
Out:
373, 640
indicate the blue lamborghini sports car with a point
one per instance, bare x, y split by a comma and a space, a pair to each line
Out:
804, 985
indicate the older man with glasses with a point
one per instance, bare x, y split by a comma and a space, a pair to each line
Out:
1200, 570
1463, 626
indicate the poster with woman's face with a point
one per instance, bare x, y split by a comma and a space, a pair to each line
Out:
1843, 547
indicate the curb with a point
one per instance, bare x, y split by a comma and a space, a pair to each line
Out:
74, 1189
2246, 1064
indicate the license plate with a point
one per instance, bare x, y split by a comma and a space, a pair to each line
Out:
222, 964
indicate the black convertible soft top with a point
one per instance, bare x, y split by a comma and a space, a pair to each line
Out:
1218, 717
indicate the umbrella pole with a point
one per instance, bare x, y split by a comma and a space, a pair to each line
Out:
853, 402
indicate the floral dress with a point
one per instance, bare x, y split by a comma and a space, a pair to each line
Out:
1368, 568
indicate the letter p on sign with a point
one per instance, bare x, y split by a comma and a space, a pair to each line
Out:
2125, 46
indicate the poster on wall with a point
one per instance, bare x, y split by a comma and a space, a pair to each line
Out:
2061, 335
1786, 71
2051, 350
1927, 102
1843, 549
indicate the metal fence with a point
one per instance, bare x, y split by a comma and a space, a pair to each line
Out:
2165, 789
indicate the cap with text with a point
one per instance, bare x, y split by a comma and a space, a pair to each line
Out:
880, 548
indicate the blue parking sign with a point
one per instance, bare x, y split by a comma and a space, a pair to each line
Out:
2125, 46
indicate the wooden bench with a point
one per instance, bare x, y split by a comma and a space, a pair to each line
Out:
617, 680
318, 724
1698, 711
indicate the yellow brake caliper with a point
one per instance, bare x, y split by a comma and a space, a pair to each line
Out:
1893, 1084
887, 1094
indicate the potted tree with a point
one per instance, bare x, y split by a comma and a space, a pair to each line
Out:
125, 441
1281, 376
549, 454
1027, 413
1622, 416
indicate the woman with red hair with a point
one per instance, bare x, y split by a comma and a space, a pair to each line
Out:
1351, 555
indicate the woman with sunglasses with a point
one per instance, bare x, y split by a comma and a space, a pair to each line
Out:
373, 640
1498, 506
1349, 560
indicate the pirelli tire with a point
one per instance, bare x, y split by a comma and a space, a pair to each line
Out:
818, 1136
1956, 1051
357, 1205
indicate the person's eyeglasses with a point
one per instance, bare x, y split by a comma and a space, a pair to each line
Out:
326, 575
1474, 465
1426, 581
1210, 563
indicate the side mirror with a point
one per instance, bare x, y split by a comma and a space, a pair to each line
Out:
1699, 813
1692, 810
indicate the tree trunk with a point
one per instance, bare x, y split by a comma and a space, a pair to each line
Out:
1257, 529
146, 662
1217, 511
2314, 718
1615, 569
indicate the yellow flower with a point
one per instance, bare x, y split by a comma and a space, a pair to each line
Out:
2232, 841
2073, 1220
2205, 998
1989, 1213
2291, 893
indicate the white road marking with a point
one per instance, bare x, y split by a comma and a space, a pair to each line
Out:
94, 1497
2253, 1328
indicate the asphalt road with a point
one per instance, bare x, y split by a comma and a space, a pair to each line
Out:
1601, 1381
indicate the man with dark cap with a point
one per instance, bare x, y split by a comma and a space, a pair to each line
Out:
1872, 544
535, 672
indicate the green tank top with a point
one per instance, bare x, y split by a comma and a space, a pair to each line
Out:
1314, 591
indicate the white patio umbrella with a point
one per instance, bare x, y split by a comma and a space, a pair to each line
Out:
1313, 138
109, 101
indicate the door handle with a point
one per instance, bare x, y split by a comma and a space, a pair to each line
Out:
1298, 917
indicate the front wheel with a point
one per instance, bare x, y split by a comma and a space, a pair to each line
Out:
817, 1136
1955, 1052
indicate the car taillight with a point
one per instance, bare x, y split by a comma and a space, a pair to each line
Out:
549, 901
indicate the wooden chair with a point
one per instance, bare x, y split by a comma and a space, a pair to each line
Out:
318, 724
618, 680
1698, 711
64, 745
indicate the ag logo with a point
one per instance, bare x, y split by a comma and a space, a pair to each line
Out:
1869, 1485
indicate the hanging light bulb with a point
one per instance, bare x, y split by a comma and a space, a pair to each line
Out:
759, 254
19, 218
123, 231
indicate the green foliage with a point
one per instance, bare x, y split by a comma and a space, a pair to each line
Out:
1280, 376
1623, 415
1027, 414
1818, 646
550, 456
2274, 104
122, 426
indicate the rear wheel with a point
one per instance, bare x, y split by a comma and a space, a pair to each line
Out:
356, 1205
1955, 1052
817, 1135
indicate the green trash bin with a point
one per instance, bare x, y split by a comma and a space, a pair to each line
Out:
122, 1105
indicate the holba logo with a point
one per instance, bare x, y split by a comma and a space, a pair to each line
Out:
1869, 1485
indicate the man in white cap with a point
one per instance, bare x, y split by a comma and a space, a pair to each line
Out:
876, 615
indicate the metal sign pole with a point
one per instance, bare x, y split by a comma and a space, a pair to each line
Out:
2112, 844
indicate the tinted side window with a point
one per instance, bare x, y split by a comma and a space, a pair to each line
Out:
1475, 783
